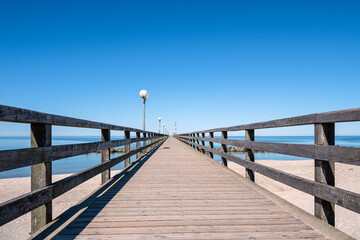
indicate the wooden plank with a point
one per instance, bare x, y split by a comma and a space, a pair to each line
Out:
105, 155
12, 159
127, 148
335, 195
165, 196
18, 206
203, 142
324, 172
138, 137
14, 114
41, 176
211, 144
224, 147
348, 155
249, 154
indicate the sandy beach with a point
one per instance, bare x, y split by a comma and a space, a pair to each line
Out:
346, 176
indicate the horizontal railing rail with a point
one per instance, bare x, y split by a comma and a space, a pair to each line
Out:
42, 153
323, 151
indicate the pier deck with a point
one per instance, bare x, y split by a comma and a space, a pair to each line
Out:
178, 193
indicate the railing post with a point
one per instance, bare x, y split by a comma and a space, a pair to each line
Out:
137, 144
211, 135
127, 148
192, 140
249, 154
325, 172
203, 142
144, 142
224, 135
198, 142
105, 155
40, 175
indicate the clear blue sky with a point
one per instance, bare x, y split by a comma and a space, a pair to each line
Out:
204, 63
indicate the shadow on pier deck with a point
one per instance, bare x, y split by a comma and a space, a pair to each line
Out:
177, 193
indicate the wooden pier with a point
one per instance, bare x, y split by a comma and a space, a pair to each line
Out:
173, 190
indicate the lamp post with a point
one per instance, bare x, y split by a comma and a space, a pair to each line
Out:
164, 128
144, 95
159, 123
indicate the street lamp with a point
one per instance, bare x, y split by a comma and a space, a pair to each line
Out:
159, 123
144, 95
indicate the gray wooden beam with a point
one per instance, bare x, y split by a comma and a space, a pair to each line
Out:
137, 144
203, 142
224, 135
211, 144
249, 154
325, 172
41, 176
127, 148
105, 155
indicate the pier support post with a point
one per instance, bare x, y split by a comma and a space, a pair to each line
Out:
325, 172
224, 135
193, 140
40, 175
249, 154
144, 143
105, 155
211, 135
127, 148
138, 144
198, 142
203, 142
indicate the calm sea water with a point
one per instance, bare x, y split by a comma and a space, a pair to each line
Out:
78, 163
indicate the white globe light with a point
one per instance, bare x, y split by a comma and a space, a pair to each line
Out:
164, 124
159, 118
144, 94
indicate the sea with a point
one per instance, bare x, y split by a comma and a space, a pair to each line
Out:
82, 162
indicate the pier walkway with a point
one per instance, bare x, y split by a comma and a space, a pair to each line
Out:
179, 193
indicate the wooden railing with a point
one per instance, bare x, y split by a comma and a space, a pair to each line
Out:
323, 151
41, 154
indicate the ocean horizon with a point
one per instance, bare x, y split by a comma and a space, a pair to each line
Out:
82, 162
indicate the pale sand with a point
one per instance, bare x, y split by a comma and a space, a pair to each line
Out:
346, 177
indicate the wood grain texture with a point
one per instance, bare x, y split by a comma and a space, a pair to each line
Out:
12, 159
341, 197
177, 193
348, 155
14, 114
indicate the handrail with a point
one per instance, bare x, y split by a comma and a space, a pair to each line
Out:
323, 151
42, 153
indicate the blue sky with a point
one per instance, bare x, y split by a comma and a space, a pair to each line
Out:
205, 64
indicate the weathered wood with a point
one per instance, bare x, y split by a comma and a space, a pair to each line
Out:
105, 155
325, 172
14, 114
249, 154
67, 184
17, 207
211, 144
166, 197
348, 155
12, 159
138, 144
144, 142
329, 193
203, 142
198, 142
127, 148
224, 147
40, 176
348, 115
